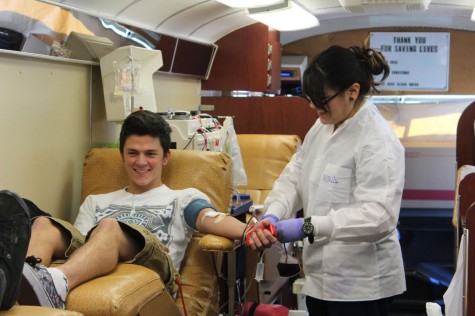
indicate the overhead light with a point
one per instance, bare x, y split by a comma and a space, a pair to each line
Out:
126, 33
285, 16
249, 3
473, 15
382, 6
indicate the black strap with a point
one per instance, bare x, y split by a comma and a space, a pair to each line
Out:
252, 309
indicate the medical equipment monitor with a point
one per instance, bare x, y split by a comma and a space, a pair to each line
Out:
193, 58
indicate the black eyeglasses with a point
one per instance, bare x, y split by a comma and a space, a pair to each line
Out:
321, 105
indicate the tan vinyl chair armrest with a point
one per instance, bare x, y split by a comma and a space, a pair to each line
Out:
21, 310
210, 242
124, 291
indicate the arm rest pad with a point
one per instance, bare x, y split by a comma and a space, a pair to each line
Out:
18, 310
210, 242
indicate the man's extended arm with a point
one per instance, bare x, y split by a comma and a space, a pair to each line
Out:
211, 222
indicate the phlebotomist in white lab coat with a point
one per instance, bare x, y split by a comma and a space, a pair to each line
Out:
348, 178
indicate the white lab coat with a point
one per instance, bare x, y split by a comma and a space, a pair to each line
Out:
350, 181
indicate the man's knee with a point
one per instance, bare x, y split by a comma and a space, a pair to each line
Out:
46, 229
49, 239
107, 225
42, 223
108, 222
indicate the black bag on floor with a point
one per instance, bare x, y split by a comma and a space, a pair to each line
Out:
10, 39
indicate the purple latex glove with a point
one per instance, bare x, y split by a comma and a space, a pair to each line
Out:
290, 230
273, 219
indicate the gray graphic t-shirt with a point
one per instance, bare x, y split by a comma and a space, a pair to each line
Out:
160, 210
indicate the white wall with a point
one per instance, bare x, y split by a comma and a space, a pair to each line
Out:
177, 92
51, 113
44, 130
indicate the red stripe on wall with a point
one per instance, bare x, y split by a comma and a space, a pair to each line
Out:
448, 195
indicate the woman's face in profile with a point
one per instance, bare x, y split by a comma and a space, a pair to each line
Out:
336, 108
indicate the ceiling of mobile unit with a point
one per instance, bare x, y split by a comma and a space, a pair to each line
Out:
208, 20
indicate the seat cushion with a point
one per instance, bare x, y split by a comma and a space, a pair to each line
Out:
209, 172
264, 157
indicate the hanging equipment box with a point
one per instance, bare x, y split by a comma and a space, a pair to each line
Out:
10, 39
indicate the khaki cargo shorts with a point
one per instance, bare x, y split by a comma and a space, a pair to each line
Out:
152, 255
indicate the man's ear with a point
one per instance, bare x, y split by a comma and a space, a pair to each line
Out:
166, 156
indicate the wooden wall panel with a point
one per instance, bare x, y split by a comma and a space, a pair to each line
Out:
462, 46
465, 144
241, 61
266, 115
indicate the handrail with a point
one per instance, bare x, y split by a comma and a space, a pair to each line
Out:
420, 99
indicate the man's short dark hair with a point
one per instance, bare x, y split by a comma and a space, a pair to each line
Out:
143, 123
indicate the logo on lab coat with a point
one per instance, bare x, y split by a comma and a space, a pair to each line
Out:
329, 179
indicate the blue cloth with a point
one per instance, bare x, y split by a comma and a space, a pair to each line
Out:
193, 210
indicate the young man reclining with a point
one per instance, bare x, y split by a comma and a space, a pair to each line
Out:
145, 223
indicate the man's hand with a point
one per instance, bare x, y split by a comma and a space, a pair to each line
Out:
289, 230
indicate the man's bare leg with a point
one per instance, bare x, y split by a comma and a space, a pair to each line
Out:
107, 245
47, 241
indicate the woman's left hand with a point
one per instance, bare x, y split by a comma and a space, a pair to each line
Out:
289, 230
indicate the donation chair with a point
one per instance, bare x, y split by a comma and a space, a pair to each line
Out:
264, 157
135, 290
464, 213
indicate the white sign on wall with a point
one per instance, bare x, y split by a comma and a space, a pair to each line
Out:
418, 61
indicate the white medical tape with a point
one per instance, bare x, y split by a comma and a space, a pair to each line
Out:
219, 216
